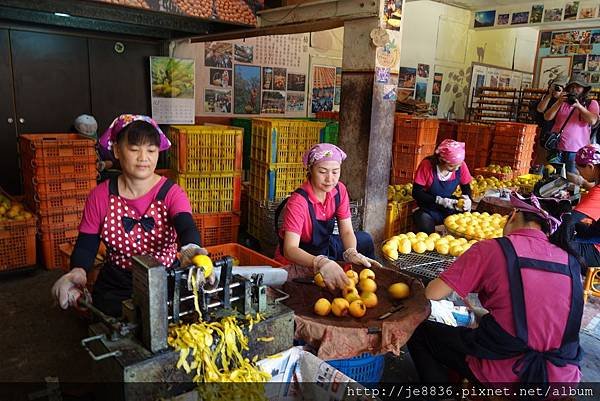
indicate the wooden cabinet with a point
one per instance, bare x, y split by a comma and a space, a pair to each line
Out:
48, 79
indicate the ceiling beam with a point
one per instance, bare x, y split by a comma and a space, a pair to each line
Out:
319, 10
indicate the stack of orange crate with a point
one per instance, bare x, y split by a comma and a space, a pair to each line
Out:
478, 141
59, 171
447, 130
514, 146
414, 140
208, 162
328, 115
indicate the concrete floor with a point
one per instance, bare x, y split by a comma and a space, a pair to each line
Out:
39, 340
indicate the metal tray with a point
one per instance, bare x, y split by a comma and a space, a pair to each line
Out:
427, 266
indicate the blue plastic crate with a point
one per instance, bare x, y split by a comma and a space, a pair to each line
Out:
365, 368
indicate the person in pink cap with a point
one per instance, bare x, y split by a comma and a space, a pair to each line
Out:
436, 180
135, 213
306, 237
582, 227
529, 285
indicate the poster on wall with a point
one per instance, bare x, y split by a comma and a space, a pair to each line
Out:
295, 102
588, 11
421, 91
571, 9
537, 13
392, 14
407, 77
519, 18
484, 18
218, 54
273, 102
437, 83
553, 14
246, 89
173, 90
243, 53
217, 101
552, 68
220, 77
323, 88
296, 82
503, 19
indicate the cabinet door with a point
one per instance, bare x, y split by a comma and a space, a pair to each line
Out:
51, 78
120, 81
9, 165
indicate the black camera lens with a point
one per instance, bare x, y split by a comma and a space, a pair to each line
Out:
558, 88
571, 98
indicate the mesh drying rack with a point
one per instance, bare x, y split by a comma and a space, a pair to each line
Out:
426, 266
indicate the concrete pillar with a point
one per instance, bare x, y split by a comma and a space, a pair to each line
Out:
366, 124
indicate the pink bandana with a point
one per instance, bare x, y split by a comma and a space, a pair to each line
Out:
589, 154
109, 137
323, 152
451, 151
519, 202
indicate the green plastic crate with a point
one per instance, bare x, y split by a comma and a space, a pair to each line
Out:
331, 132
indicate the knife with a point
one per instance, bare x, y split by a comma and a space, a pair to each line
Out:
303, 280
391, 312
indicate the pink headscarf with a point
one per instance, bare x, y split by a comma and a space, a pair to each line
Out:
109, 137
519, 202
323, 152
451, 151
589, 154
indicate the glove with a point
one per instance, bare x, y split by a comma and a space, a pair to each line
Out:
468, 204
447, 203
67, 289
353, 256
333, 274
187, 253
441, 311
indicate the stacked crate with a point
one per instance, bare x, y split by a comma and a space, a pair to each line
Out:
276, 168
17, 235
59, 171
414, 140
208, 162
478, 141
447, 130
328, 115
513, 146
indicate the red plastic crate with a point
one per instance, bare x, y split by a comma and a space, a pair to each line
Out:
68, 170
416, 131
51, 238
50, 205
245, 256
406, 158
60, 218
446, 130
217, 228
17, 242
328, 115
52, 148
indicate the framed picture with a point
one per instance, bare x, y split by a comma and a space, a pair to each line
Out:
552, 68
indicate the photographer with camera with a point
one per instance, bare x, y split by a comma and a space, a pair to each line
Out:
573, 114
537, 110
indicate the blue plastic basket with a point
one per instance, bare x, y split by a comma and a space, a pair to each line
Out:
365, 368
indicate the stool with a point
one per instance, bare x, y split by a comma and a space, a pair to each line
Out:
591, 286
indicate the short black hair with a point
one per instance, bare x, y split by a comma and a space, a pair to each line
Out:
139, 133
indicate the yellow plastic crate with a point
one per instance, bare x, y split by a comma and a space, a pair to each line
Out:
283, 141
212, 193
398, 217
206, 148
275, 181
256, 218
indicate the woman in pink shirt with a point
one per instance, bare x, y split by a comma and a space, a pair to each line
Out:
532, 290
307, 238
436, 179
577, 114
136, 213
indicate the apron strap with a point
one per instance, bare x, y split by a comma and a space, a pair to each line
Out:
571, 334
164, 190
516, 288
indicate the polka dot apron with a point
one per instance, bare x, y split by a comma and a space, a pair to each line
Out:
128, 234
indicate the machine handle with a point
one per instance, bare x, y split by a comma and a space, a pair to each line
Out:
283, 298
84, 344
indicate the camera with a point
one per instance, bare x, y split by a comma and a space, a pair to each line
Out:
558, 88
571, 98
